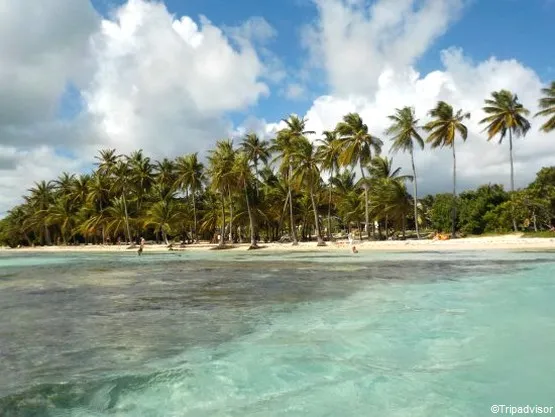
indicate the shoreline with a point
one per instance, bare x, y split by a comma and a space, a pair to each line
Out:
503, 242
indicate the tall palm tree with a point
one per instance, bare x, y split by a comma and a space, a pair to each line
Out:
107, 160
122, 183
243, 175
40, 198
285, 144
506, 114
547, 104
221, 161
307, 171
141, 175
404, 131
99, 197
190, 178
443, 129
328, 154
358, 144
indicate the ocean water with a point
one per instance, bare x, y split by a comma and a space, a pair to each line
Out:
262, 334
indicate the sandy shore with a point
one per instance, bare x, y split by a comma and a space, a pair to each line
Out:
505, 242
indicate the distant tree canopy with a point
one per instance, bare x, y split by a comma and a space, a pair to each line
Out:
275, 189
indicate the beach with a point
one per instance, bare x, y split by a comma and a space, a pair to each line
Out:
502, 242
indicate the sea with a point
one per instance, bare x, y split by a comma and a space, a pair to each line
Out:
268, 334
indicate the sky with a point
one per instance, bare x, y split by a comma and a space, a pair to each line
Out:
172, 77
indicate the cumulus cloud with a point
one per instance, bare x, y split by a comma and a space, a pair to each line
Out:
355, 41
163, 84
43, 46
380, 79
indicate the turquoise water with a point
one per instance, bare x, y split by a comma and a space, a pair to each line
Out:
237, 334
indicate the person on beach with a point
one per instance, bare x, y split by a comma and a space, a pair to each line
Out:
354, 249
141, 246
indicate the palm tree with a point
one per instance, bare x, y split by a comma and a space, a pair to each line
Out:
42, 195
190, 177
285, 144
547, 104
221, 161
122, 183
443, 129
307, 172
99, 196
141, 176
243, 175
357, 147
107, 160
162, 215
506, 114
404, 129
328, 154
257, 150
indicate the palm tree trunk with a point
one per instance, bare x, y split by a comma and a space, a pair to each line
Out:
291, 218
454, 208
386, 226
126, 217
316, 223
283, 214
515, 228
195, 236
329, 212
230, 217
222, 232
366, 216
165, 237
251, 221
415, 185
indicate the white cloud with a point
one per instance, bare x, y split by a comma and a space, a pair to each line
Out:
294, 91
164, 84
356, 42
380, 79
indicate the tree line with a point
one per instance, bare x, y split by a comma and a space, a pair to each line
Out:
273, 190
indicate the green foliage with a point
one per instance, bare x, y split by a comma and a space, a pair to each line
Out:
474, 209
440, 212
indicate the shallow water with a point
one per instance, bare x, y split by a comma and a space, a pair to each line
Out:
262, 334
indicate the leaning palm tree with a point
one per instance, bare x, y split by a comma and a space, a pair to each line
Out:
285, 144
190, 178
505, 115
328, 154
357, 147
307, 172
405, 135
243, 175
547, 104
443, 129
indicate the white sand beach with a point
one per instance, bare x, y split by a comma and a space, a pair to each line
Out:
503, 242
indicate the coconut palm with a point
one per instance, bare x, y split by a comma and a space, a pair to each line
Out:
165, 176
443, 129
221, 161
122, 184
257, 150
404, 131
162, 215
40, 198
328, 153
285, 144
243, 175
547, 104
190, 178
307, 171
506, 115
358, 145
107, 160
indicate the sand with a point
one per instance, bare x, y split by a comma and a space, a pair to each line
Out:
504, 242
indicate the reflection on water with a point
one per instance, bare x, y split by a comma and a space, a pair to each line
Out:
230, 334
